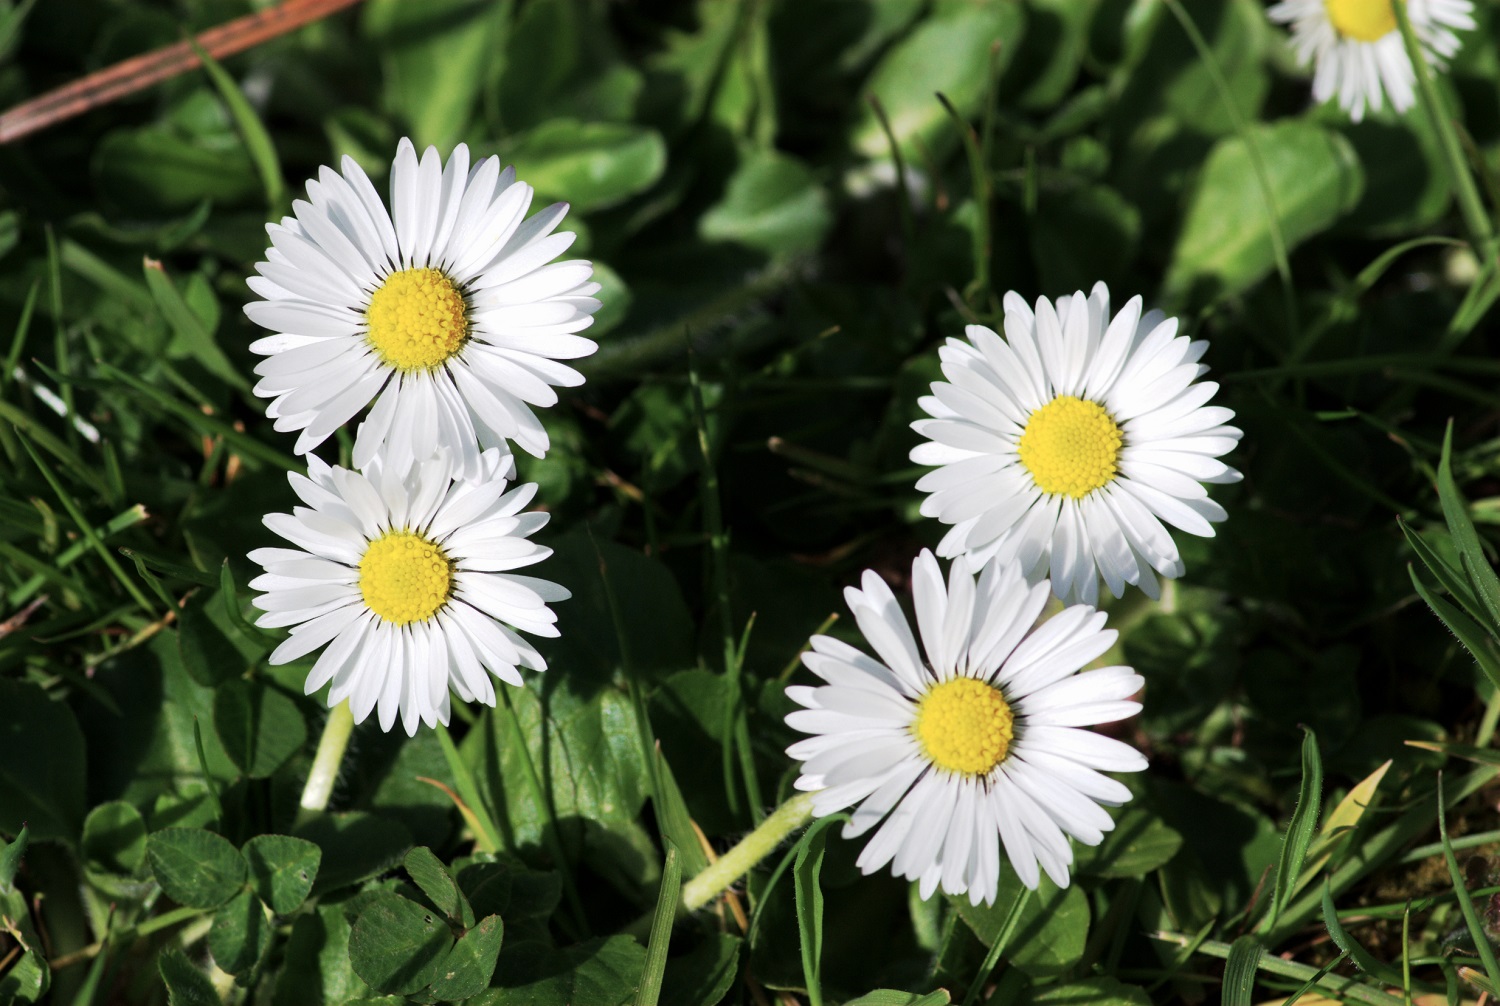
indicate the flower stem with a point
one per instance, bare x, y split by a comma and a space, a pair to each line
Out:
754, 847
325, 767
1476, 221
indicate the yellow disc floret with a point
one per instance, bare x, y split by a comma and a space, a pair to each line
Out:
1362, 20
417, 319
965, 726
1071, 447
405, 578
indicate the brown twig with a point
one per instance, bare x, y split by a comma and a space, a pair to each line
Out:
138, 72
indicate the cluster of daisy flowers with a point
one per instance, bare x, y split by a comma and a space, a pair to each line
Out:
1063, 450
442, 320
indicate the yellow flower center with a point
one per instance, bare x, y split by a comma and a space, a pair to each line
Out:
405, 578
965, 726
1362, 20
1070, 446
417, 319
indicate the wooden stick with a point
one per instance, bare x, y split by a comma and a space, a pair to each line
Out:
138, 72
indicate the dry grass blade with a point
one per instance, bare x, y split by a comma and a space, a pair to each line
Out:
140, 72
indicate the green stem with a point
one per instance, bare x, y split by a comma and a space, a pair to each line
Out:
1257, 163
330, 755
754, 847
1007, 929
1476, 221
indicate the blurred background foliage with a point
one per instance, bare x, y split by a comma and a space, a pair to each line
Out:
787, 220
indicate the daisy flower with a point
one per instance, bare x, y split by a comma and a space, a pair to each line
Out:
403, 577
447, 312
1356, 48
977, 746
1064, 446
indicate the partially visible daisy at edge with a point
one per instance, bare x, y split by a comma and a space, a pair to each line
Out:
972, 744
1065, 445
446, 311
405, 579
1356, 50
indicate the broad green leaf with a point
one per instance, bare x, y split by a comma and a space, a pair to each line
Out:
27, 977
149, 744
1139, 843
703, 976
772, 204
195, 867
207, 653
186, 984
1112, 223
259, 727
155, 168
356, 846
586, 750
435, 56
471, 962
1051, 932
1044, 69
1164, 75
892, 997
282, 870
1102, 991
317, 968
429, 874
592, 165
1299, 831
41, 775
1225, 242
948, 52
397, 946
599, 972
11, 854
240, 934
114, 838
1407, 185
510, 890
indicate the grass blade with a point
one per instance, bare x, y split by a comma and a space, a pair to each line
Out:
485, 834
661, 930
1465, 902
1240, 970
1007, 929
805, 875
1349, 945
1449, 577
1300, 830
191, 333
1469, 632
1465, 538
87, 529
257, 140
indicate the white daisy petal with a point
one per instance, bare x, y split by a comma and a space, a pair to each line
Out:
980, 748
1064, 446
385, 566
